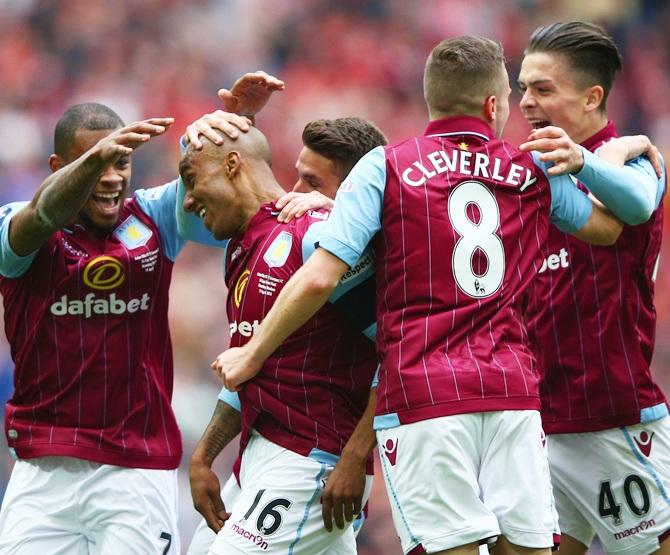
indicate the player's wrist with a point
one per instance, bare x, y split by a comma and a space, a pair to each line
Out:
355, 455
200, 459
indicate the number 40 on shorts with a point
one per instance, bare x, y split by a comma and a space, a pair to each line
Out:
635, 493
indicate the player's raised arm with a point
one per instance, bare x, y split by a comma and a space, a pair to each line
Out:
250, 93
625, 191
624, 149
64, 193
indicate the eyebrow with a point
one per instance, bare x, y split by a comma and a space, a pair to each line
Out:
536, 82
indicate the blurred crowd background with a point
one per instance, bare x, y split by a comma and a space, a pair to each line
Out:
338, 58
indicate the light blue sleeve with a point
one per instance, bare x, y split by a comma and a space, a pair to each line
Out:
631, 192
354, 295
158, 203
570, 207
11, 264
230, 398
356, 216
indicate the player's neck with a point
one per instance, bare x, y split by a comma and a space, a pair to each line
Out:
592, 124
258, 189
265, 186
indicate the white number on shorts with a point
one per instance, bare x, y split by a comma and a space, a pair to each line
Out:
268, 512
476, 236
639, 505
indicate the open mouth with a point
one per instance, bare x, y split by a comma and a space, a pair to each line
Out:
539, 124
201, 213
107, 201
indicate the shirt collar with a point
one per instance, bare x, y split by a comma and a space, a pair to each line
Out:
459, 125
605, 134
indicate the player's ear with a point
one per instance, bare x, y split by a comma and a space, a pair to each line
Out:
490, 105
594, 98
55, 163
233, 163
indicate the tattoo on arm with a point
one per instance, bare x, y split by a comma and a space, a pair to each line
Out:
224, 426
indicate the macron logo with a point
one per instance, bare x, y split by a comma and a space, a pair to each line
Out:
644, 443
391, 450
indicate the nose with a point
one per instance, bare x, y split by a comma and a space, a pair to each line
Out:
111, 176
527, 100
300, 187
189, 203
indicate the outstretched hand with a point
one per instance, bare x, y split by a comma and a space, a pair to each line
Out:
294, 205
228, 123
250, 93
125, 140
557, 147
622, 149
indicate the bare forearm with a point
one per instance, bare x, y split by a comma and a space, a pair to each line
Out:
64, 193
223, 427
363, 439
306, 292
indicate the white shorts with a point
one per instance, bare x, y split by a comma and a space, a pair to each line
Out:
68, 506
203, 537
279, 509
484, 474
614, 484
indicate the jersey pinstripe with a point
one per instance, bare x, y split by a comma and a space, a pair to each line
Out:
312, 391
87, 325
594, 320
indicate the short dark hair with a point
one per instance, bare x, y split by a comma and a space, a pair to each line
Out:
461, 73
90, 116
342, 140
590, 51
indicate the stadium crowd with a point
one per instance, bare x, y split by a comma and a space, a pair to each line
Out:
337, 58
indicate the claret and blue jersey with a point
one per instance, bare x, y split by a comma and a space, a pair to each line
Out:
464, 219
87, 323
312, 391
593, 319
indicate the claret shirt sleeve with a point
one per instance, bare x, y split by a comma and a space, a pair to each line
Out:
356, 216
11, 264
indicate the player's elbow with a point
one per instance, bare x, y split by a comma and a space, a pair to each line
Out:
320, 283
608, 234
641, 214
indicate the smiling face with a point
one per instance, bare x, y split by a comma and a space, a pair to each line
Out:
552, 95
102, 209
316, 173
210, 194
